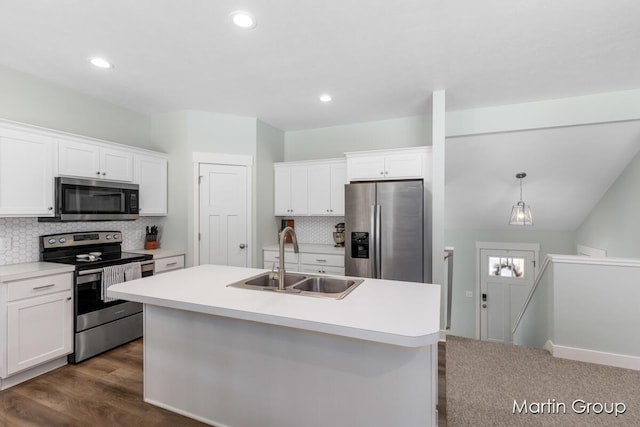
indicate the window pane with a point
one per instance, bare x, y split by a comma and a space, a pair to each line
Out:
506, 267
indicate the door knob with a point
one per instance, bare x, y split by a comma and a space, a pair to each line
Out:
484, 305
242, 246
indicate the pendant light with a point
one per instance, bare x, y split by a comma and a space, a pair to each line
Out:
521, 213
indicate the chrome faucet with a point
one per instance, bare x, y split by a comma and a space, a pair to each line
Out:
281, 259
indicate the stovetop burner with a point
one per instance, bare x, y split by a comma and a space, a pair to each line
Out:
82, 249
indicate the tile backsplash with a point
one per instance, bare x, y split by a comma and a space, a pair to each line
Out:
22, 234
316, 229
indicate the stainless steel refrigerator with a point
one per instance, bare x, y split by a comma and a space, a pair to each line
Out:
385, 230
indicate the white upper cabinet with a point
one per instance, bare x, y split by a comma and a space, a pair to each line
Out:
326, 188
388, 164
26, 173
87, 160
151, 175
290, 190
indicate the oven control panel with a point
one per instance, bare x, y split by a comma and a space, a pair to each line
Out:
78, 239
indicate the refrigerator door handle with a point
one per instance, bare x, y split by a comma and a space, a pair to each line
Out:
373, 242
378, 242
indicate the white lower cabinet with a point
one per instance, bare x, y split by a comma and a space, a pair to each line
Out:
171, 263
272, 260
307, 262
39, 321
322, 263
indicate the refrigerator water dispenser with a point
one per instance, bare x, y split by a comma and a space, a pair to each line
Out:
359, 245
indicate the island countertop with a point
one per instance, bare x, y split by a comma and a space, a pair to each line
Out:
405, 314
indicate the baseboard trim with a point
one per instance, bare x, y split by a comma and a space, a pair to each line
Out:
592, 356
30, 373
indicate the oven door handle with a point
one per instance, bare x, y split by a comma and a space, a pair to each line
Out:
85, 272
99, 270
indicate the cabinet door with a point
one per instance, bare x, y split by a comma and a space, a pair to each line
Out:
282, 191
403, 166
319, 189
26, 174
78, 159
299, 199
370, 167
151, 175
338, 180
116, 165
38, 330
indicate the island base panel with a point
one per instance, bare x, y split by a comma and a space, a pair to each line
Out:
231, 372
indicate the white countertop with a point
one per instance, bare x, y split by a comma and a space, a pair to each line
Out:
400, 313
308, 248
28, 270
159, 253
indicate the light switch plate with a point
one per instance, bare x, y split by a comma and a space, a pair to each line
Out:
469, 294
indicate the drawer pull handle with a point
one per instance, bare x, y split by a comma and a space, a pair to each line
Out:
321, 260
172, 264
37, 288
276, 257
68, 298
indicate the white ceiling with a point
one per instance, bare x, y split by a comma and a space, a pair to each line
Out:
378, 58
568, 171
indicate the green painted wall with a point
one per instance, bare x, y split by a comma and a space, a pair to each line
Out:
332, 142
613, 224
28, 99
463, 312
270, 149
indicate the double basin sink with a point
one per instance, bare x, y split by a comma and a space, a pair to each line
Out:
301, 284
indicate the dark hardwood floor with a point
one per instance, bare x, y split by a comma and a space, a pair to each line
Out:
102, 391
107, 391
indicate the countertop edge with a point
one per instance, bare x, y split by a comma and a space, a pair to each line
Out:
159, 253
29, 270
307, 325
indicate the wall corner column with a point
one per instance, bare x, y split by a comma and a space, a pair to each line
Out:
438, 181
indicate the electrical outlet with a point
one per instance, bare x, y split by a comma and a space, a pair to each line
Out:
468, 294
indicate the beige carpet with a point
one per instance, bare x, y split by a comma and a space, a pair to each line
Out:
484, 379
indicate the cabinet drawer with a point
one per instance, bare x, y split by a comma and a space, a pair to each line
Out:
168, 264
38, 286
288, 267
271, 256
322, 259
321, 269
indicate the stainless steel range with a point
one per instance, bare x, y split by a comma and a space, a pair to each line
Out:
100, 323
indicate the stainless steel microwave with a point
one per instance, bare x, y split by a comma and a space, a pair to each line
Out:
94, 200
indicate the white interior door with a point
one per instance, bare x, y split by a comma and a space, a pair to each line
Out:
506, 277
223, 215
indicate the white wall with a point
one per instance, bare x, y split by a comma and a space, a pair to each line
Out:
28, 99
463, 310
613, 224
587, 309
332, 142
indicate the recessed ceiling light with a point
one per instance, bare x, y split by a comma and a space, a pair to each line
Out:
101, 63
325, 97
243, 19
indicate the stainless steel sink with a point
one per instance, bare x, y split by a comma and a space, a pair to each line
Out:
269, 280
327, 286
301, 284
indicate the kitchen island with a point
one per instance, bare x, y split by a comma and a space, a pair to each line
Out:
238, 357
